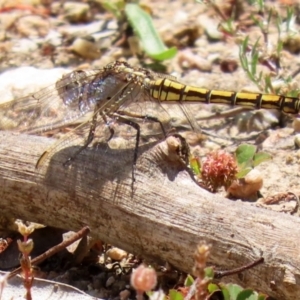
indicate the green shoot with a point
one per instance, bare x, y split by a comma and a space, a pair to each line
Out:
247, 159
142, 24
114, 7
143, 27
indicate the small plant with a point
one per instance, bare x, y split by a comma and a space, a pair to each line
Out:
247, 158
204, 276
203, 286
142, 24
262, 52
220, 168
143, 279
25, 247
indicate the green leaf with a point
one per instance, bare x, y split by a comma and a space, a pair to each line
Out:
247, 295
189, 280
243, 172
293, 93
245, 45
243, 60
255, 57
175, 295
141, 22
212, 287
268, 84
262, 297
209, 273
195, 165
244, 153
226, 293
167, 54
227, 26
234, 290
261, 157
261, 5
114, 7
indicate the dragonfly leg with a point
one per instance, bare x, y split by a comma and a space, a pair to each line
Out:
121, 117
111, 130
144, 117
136, 126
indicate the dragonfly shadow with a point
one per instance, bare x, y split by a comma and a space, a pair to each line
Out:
93, 170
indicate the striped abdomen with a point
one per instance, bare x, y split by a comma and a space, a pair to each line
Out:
164, 89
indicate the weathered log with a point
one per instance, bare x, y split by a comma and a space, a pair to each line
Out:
164, 216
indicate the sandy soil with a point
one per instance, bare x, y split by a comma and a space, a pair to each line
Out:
45, 35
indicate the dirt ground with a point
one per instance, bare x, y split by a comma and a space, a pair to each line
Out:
45, 35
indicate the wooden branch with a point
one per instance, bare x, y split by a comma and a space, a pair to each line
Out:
165, 216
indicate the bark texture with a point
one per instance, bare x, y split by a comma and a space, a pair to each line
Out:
165, 216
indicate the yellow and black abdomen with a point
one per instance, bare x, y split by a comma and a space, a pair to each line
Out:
164, 89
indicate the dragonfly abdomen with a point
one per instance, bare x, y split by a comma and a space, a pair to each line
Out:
164, 89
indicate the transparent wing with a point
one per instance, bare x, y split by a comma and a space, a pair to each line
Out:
51, 107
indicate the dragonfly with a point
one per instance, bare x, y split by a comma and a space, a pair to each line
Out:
117, 94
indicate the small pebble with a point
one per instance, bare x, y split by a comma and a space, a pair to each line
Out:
297, 141
247, 187
76, 12
116, 254
85, 48
289, 159
296, 125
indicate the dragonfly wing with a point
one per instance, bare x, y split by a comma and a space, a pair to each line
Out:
54, 106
